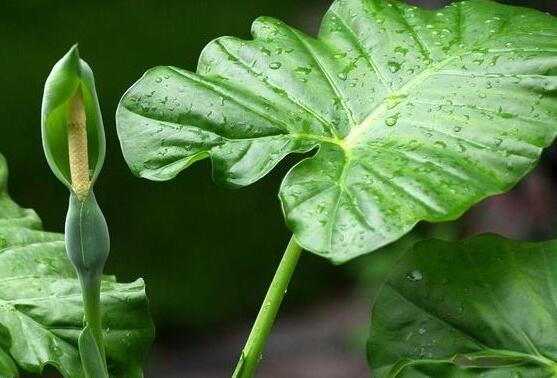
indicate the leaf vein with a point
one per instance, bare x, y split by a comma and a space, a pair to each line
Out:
402, 190
272, 86
368, 57
220, 90
424, 49
326, 75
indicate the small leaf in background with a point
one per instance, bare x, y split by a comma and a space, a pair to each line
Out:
484, 307
414, 114
41, 312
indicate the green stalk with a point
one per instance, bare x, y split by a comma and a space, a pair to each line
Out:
87, 245
91, 290
262, 327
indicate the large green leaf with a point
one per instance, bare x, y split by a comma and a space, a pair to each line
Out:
485, 307
41, 313
416, 115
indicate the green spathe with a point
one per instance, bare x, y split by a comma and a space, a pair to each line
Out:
414, 114
69, 75
484, 307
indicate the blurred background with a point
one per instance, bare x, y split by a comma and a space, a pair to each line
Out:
207, 253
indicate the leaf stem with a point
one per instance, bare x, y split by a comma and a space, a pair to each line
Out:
262, 327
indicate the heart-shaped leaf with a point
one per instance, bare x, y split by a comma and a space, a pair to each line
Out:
484, 307
416, 115
41, 314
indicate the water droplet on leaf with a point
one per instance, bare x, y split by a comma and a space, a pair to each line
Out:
392, 120
303, 70
414, 276
394, 66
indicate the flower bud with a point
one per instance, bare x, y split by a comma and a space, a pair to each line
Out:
72, 128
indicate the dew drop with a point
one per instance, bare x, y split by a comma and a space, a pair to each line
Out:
401, 50
392, 120
414, 276
275, 65
394, 100
303, 70
510, 165
394, 66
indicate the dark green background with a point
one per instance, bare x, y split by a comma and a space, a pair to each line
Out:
206, 253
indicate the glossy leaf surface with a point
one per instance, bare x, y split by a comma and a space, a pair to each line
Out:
41, 313
484, 307
415, 115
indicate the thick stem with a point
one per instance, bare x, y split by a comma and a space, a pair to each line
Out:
262, 327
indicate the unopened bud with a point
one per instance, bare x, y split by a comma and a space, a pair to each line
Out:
72, 129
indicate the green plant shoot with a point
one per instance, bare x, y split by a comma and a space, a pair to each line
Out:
74, 144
